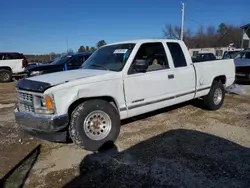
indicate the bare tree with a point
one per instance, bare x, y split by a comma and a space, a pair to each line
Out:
206, 37
172, 32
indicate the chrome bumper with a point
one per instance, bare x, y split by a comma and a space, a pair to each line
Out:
47, 124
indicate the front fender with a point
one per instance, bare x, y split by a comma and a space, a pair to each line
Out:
64, 98
111, 89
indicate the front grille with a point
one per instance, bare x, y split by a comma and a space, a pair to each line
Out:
26, 108
25, 102
25, 96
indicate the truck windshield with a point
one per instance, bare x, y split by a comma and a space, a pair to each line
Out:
230, 54
61, 60
111, 57
243, 55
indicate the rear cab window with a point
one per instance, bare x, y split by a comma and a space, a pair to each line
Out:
9, 56
177, 54
17, 56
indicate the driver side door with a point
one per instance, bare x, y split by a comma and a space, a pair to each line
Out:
150, 90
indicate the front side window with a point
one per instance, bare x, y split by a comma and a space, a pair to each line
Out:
61, 60
233, 54
239, 55
155, 56
77, 60
74, 61
111, 57
230, 54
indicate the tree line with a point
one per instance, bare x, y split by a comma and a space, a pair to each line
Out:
92, 49
206, 37
49, 57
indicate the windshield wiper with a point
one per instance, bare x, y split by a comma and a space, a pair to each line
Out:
95, 65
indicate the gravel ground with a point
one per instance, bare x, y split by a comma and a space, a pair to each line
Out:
180, 146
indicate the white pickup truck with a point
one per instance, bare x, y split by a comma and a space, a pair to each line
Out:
12, 64
118, 81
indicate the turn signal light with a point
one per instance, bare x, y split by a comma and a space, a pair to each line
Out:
49, 102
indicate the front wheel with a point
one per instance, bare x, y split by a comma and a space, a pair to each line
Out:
215, 98
94, 123
5, 76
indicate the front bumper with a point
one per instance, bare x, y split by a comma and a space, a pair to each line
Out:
48, 128
20, 74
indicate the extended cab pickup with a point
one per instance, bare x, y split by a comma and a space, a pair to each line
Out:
118, 81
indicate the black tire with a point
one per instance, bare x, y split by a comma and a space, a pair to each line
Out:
209, 98
5, 76
80, 114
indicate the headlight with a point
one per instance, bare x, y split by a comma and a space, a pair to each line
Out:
44, 104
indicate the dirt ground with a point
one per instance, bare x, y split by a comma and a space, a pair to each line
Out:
180, 146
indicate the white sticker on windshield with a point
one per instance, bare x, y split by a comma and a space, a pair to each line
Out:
120, 51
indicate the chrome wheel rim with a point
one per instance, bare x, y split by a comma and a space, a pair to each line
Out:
217, 96
97, 125
4, 76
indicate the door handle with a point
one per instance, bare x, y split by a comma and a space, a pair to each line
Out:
170, 76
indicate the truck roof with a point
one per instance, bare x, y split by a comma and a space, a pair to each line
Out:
145, 40
11, 53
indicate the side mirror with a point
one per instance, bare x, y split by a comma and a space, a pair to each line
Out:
141, 65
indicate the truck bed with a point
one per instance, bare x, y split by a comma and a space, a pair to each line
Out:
207, 70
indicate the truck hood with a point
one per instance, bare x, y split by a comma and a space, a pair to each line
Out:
42, 82
65, 76
42, 67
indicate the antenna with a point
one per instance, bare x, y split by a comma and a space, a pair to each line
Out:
182, 18
67, 44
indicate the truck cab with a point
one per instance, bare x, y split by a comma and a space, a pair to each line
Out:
118, 81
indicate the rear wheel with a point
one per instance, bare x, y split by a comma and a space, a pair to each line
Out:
215, 98
5, 76
94, 123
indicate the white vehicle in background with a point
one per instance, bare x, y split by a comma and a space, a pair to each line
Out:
12, 64
118, 81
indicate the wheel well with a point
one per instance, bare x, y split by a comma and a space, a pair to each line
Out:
221, 78
79, 101
6, 68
